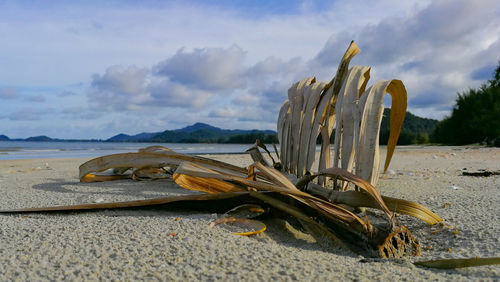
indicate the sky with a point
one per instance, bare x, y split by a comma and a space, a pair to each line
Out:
93, 69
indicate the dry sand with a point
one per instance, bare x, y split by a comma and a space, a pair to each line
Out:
139, 244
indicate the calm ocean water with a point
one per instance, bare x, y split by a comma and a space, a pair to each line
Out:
14, 150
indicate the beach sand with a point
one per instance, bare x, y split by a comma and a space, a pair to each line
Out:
177, 245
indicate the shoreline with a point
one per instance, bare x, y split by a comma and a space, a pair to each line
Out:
50, 150
102, 152
139, 244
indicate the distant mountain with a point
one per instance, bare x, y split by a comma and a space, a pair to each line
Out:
198, 133
415, 130
142, 137
120, 138
197, 126
39, 138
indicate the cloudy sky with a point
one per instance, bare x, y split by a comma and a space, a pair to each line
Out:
92, 69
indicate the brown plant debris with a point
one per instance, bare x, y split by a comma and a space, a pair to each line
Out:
319, 201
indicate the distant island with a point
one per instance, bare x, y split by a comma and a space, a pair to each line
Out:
200, 133
196, 133
416, 130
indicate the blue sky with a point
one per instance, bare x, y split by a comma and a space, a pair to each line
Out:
92, 69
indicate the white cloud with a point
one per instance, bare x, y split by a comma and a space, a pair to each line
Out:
434, 50
127, 81
205, 68
172, 59
192, 80
122, 89
225, 112
119, 88
165, 93
245, 98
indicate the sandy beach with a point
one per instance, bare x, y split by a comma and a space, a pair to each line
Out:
170, 245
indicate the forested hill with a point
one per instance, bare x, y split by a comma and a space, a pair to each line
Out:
416, 130
200, 133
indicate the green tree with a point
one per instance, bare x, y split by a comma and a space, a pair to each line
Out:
495, 82
250, 138
475, 116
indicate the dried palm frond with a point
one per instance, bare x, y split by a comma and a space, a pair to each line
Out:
236, 225
355, 113
287, 186
267, 186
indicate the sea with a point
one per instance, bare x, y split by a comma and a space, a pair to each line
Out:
17, 150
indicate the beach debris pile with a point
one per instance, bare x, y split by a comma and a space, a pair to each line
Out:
324, 213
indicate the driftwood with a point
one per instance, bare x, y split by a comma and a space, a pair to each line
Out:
484, 173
